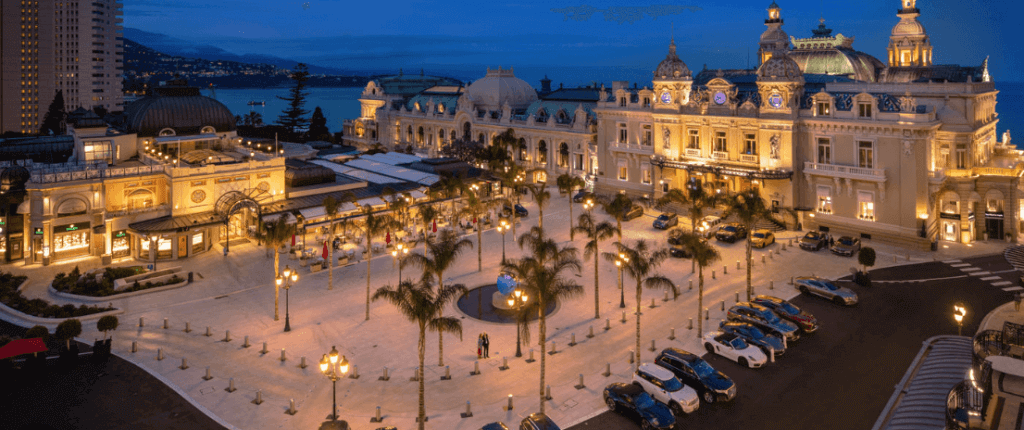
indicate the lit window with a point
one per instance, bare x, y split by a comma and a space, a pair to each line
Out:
645, 173
866, 205
824, 108
623, 171
750, 144
824, 200
866, 155
694, 142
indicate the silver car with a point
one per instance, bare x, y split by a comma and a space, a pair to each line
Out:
846, 246
825, 288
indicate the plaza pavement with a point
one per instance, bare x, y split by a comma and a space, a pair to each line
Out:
236, 293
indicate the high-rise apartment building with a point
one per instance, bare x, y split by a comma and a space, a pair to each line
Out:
51, 45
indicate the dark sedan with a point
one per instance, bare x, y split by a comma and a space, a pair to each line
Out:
767, 340
582, 196
762, 317
634, 400
666, 220
788, 311
495, 426
731, 233
520, 210
846, 246
538, 421
634, 212
710, 384
813, 241
679, 251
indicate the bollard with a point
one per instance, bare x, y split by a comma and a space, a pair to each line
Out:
723, 305
530, 360
415, 374
580, 386
777, 252
142, 323
447, 374
208, 334
469, 412
607, 324
188, 327
712, 274
783, 246
385, 377
291, 407
553, 349
377, 418
672, 333
623, 316
791, 280
737, 297
630, 356
690, 326
652, 301
184, 364
771, 354
135, 346
231, 385
547, 392
737, 265
725, 270
264, 350
159, 354
227, 335
771, 285
504, 364
665, 299
762, 258
591, 333
691, 285
166, 324
355, 372
707, 314
509, 407
607, 370
302, 362
476, 368
572, 341
259, 397
791, 241
246, 343
652, 348
208, 376
283, 358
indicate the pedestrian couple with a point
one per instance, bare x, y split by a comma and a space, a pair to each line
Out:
483, 346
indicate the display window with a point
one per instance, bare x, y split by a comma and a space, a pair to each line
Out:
120, 244
71, 240
163, 249
197, 243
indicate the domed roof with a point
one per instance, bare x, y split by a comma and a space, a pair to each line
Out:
774, 34
908, 27
672, 67
838, 61
499, 87
180, 108
780, 67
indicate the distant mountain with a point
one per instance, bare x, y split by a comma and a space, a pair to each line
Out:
183, 48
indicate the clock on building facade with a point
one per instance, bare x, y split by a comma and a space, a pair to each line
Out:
775, 101
666, 97
720, 98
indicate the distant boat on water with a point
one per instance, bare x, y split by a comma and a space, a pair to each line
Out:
257, 103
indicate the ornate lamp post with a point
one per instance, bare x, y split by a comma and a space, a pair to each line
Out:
503, 228
959, 312
516, 302
399, 254
152, 250
287, 278
334, 370
619, 262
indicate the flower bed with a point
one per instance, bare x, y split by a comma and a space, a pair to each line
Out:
11, 297
75, 283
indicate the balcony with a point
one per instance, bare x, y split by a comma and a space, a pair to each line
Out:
720, 156
748, 158
632, 148
848, 172
693, 152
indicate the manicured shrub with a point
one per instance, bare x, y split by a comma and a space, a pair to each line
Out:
10, 296
107, 323
866, 257
67, 330
37, 331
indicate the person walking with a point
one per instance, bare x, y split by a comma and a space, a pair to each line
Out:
487, 346
480, 346
1016, 301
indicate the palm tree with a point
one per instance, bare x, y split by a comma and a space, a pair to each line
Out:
374, 225
749, 208
617, 208
542, 197
331, 207
566, 185
642, 262
274, 235
443, 252
596, 232
427, 214
475, 207
704, 255
698, 201
451, 187
423, 305
543, 275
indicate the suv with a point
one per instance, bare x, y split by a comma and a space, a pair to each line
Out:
786, 310
661, 384
813, 241
666, 220
708, 225
693, 371
731, 232
634, 212
538, 421
846, 246
762, 317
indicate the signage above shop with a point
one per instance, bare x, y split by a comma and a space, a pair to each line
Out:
37, 230
66, 228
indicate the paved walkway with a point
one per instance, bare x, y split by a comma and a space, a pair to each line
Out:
235, 293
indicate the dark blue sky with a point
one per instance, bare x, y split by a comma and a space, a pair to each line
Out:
463, 35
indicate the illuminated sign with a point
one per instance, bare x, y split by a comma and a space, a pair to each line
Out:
38, 231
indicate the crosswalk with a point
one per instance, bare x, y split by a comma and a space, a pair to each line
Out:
1015, 256
987, 276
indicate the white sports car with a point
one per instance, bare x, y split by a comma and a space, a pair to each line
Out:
733, 347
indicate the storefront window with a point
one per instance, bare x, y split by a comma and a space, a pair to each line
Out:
197, 243
120, 244
71, 240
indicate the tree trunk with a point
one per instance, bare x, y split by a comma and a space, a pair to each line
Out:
542, 326
419, 371
572, 234
750, 287
440, 334
700, 301
277, 288
369, 258
597, 291
479, 247
330, 259
638, 293
693, 229
540, 216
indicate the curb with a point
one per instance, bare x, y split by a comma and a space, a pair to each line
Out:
91, 299
18, 318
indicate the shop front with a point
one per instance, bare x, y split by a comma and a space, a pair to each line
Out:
70, 240
120, 244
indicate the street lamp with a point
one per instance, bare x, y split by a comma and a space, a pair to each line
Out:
959, 312
399, 254
503, 228
334, 369
288, 276
621, 261
152, 250
516, 302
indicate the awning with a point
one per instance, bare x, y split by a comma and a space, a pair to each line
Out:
372, 201
25, 207
347, 207
273, 217
417, 195
313, 214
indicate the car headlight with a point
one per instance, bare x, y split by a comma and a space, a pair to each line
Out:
655, 421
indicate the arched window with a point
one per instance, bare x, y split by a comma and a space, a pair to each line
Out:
542, 152
72, 207
139, 199
419, 136
208, 130
481, 138
440, 136
409, 134
542, 115
167, 132
466, 131
563, 155
522, 149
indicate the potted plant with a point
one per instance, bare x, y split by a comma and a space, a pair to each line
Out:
866, 258
101, 348
37, 361
66, 331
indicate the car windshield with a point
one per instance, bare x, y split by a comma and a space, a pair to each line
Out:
770, 316
672, 384
813, 235
662, 217
755, 333
729, 228
846, 242
828, 285
759, 235
789, 308
644, 401
702, 368
738, 344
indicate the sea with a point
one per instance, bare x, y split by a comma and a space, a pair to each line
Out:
339, 104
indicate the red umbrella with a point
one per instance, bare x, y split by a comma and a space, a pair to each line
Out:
22, 346
325, 250
474, 220
387, 238
435, 226
293, 240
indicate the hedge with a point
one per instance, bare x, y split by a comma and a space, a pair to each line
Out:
10, 296
75, 283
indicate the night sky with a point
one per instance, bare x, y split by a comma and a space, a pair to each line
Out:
529, 34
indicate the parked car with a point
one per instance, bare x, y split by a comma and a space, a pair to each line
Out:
679, 251
731, 232
768, 341
633, 398
708, 226
666, 220
519, 209
762, 317
710, 384
846, 246
664, 387
788, 311
582, 196
675, 237
634, 212
538, 421
827, 289
762, 238
813, 241
495, 426
733, 347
